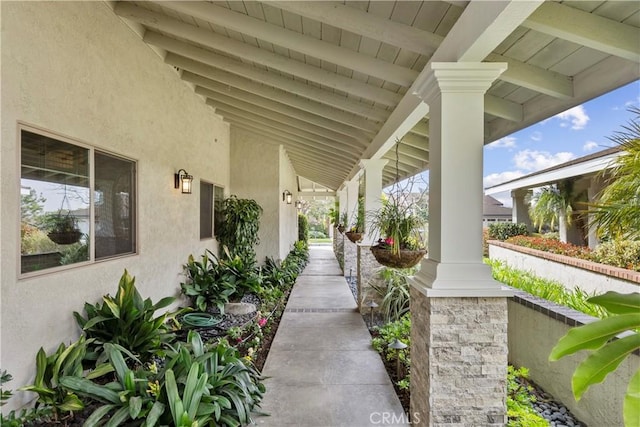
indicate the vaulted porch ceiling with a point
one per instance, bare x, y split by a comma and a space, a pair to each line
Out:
332, 81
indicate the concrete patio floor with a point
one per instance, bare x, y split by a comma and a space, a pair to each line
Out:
321, 369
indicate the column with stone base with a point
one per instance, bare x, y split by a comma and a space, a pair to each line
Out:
367, 274
459, 313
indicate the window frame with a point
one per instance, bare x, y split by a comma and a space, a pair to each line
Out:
213, 192
22, 126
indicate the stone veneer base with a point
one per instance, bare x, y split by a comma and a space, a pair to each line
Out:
458, 360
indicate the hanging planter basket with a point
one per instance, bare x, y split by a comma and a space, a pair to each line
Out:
353, 236
404, 259
65, 238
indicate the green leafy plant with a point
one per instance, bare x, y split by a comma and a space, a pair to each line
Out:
239, 228
399, 226
618, 209
206, 285
391, 285
504, 230
385, 335
303, 227
127, 320
26, 415
608, 348
520, 400
546, 289
125, 399
65, 362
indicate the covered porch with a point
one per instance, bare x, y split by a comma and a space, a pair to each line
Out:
250, 97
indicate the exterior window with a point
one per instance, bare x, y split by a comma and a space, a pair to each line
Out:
218, 194
114, 201
56, 219
206, 210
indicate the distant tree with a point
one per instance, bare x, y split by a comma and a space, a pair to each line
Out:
32, 207
617, 214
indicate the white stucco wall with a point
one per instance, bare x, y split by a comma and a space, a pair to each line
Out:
76, 69
532, 335
569, 276
288, 213
255, 175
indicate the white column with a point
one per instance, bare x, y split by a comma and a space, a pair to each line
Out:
520, 209
455, 94
342, 202
372, 194
351, 206
594, 189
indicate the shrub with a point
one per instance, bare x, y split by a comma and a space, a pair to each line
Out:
552, 246
239, 228
504, 230
303, 227
619, 253
208, 284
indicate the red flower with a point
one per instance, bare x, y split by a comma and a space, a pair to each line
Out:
262, 322
389, 241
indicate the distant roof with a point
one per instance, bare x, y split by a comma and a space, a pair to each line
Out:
584, 165
492, 207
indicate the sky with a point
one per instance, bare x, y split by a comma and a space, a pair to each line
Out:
574, 133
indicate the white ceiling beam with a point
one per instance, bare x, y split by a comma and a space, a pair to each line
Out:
219, 99
534, 78
588, 29
320, 159
197, 73
413, 152
421, 128
366, 24
503, 108
479, 30
587, 85
294, 132
329, 159
295, 41
416, 141
408, 162
254, 54
219, 62
258, 101
316, 193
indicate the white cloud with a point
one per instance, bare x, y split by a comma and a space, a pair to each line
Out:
498, 178
506, 142
536, 136
577, 116
590, 146
532, 160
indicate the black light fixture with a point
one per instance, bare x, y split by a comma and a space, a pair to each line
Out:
299, 204
183, 181
287, 196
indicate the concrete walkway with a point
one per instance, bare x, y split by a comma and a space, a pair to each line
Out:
321, 369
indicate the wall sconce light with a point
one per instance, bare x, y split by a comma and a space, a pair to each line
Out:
183, 181
287, 196
299, 204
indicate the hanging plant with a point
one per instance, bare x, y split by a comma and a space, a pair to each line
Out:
239, 228
398, 224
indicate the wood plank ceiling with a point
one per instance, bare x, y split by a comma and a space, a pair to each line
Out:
322, 78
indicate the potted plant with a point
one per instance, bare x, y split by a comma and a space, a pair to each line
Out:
400, 245
62, 228
356, 232
343, 221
